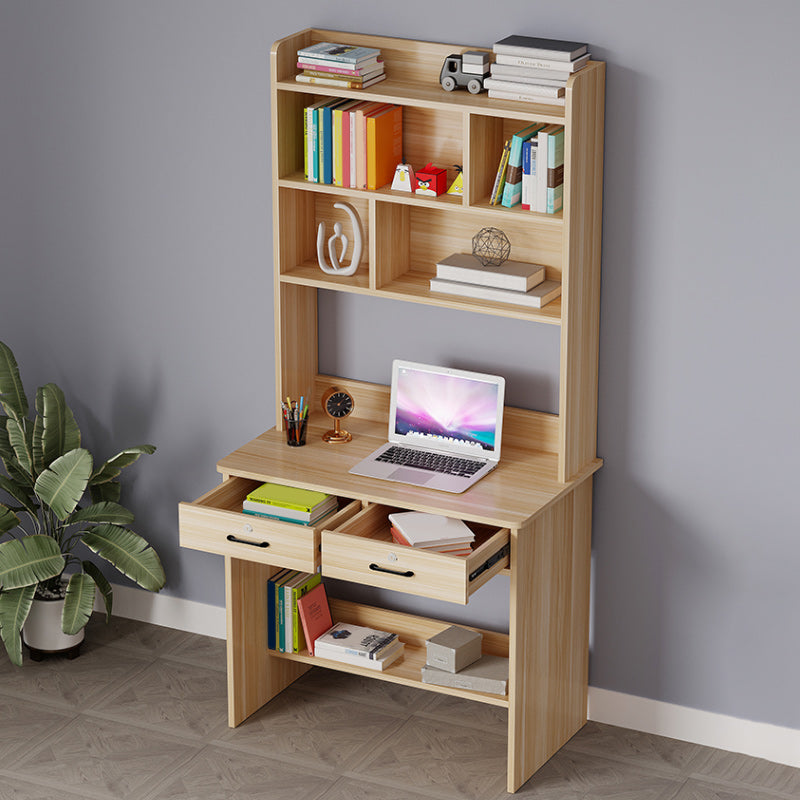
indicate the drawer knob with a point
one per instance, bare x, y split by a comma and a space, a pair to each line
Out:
403, 574
231, 538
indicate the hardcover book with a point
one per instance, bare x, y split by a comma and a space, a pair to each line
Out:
556, 49
537, 297
276, 494
422, 530
518, 276
315, 615
330, 51
384, 145
357, 640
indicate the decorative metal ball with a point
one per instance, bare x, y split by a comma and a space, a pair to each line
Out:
491, 247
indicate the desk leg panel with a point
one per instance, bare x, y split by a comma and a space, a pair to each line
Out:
549, 633
254, 677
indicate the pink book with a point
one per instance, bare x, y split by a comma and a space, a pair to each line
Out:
315, 615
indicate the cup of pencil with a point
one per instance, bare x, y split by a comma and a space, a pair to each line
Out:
295, 417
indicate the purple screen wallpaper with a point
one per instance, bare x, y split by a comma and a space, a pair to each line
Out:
448, 406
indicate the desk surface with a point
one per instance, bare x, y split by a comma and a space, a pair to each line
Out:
522, 486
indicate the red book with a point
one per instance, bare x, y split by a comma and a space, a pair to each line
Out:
315, 615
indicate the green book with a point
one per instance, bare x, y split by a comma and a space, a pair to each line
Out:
275, 494
299, 590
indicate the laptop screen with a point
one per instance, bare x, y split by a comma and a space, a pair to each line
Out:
444, 408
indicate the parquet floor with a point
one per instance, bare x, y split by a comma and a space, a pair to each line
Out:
141, 715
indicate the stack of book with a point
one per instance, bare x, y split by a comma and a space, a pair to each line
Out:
350, 644
533, 69
284, 591
515, 282
354, 144
289, 504
431, 532
342, 65
531, 170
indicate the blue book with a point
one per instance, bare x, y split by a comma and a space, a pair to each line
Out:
512, 191
325, 126
272, 608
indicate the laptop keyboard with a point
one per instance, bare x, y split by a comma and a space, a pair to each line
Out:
435, 462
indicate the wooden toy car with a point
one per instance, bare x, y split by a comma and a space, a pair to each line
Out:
464, 70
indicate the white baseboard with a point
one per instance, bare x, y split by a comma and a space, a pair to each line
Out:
772, 742
759, 739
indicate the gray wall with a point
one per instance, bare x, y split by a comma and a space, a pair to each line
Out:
135, 232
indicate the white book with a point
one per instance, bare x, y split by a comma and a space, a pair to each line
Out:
518, 276
527, 88
357, 640
420, 529
360, 661
543, 63
537, 297
526, 97
543, 77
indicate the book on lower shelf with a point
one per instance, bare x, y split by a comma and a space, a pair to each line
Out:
488, 674
359, 645
514, 275
538, 297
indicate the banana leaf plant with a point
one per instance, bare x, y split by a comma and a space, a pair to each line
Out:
53, 502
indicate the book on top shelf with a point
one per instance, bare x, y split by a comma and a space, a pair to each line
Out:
519, 276
520, 86
538, 77
344, 83
526, 97
364, 69
330, 51
560, 67
556, 49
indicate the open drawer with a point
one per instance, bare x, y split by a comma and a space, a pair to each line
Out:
215, 523
361, 550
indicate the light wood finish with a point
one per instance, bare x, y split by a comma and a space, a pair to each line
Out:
361, 550
537, 503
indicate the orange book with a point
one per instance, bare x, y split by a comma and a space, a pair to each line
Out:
384, 145
315, 615
361, 140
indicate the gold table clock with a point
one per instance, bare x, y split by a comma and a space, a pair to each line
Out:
337, 404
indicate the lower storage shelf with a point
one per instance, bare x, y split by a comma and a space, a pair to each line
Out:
413, 631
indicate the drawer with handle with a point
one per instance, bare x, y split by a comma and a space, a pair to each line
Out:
215, 523
362, 550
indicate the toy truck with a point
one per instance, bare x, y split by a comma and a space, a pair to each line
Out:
465, 70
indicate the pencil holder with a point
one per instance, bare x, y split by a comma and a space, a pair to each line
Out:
296, 432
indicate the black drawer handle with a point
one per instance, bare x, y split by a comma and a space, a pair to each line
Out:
407, 574
231, 538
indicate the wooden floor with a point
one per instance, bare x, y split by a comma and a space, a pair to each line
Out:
141, 715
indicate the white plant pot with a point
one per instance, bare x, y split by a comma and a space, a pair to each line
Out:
42, 630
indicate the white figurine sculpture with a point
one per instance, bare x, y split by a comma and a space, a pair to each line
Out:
336, 267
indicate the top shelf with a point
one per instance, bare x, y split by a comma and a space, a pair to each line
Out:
412, 77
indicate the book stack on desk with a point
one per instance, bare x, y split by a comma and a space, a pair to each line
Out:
514, 282
289, 504
432, 532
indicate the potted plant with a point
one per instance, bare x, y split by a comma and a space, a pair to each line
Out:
53, 501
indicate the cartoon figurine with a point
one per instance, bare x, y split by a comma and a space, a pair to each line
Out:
404, 179
457, 186
431, 180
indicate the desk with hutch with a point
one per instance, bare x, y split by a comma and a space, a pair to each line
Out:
532, 515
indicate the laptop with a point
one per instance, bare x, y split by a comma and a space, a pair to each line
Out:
445, 428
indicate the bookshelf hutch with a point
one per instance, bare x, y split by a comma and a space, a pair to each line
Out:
532, 515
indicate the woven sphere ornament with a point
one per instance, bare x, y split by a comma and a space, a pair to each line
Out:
491, 247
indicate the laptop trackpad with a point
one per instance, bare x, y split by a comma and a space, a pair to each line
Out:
416, 476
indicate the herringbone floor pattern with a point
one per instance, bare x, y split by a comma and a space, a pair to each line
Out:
141, 716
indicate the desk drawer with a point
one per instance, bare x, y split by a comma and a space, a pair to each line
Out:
362, 550
215, 523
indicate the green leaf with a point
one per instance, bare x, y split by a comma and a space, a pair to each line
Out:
90, 568
15, 604
114, 465
63, 483
105, 492
21, 444
25, 562
55, 431
129, 553
78, 603
12, 395
8, 519
19, 493
103, 512
9, 457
